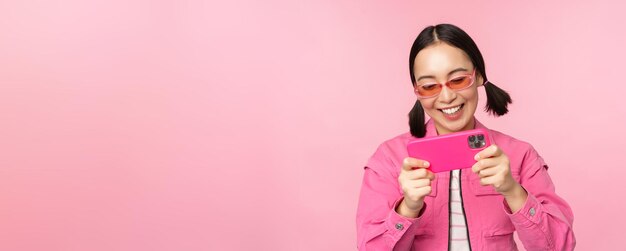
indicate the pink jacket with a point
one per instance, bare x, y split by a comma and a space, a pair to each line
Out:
543, 223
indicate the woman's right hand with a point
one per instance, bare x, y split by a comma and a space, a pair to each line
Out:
415, 180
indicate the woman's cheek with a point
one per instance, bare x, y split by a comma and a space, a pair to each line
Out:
427, 104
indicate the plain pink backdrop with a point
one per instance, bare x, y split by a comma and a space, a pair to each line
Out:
244, 125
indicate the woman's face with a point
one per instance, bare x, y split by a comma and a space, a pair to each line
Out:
452, 111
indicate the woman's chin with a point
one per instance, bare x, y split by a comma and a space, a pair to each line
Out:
449, 126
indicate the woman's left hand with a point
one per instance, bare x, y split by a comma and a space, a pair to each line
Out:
492, 166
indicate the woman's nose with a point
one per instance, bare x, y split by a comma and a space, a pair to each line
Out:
447, 95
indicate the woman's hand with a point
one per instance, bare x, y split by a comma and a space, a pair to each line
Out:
415, 180
492, 166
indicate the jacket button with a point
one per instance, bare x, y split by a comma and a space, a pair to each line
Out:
399, 226
532, 211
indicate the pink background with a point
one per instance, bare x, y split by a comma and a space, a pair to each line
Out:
244, 125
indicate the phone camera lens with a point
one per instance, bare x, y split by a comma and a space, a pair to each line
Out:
472, 138
481, 137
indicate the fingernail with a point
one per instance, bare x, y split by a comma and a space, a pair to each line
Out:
476, 157
426, 164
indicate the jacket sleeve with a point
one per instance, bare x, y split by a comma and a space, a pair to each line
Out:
545, 220
379, 227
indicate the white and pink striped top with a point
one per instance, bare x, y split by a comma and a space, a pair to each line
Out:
458, 229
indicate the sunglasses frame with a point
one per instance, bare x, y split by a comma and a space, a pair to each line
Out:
471, 76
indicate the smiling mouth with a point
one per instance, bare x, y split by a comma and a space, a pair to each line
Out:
452, 110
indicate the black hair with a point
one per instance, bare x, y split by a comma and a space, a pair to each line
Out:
497, 99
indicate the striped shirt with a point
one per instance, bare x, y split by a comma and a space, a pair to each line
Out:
458, 229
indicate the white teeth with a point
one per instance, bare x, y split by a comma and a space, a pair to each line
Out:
451, 110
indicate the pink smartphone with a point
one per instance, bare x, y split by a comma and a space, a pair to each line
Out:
451, 151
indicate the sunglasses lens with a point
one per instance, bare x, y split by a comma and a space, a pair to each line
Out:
427, 90
460, 82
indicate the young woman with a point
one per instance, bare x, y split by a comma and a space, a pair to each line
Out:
404, 206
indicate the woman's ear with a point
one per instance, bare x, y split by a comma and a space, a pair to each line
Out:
480, 79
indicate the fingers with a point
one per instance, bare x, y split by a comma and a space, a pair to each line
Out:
418, 183
484, 164
413, 163
430, 175
415, 181
491, 151
419, 174
487, 172
419, 193
416, 194
416, 190
491, 180
493, 167
498, 181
